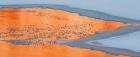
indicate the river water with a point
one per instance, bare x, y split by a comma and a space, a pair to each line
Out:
130, 41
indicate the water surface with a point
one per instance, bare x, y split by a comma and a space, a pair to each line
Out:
130, 41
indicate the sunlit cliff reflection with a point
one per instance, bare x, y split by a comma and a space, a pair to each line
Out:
49, 24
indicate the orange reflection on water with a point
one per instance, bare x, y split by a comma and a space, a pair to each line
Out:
50, 24
49, 50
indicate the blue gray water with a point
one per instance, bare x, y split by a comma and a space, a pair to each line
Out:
125, 8
130, 41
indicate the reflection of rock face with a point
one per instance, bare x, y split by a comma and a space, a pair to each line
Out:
49, 50
50, 24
